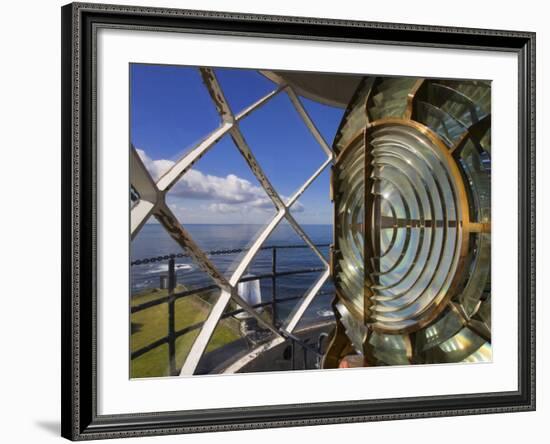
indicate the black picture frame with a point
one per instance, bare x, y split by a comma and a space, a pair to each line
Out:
79, 395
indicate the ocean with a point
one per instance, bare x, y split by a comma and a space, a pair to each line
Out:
153, 241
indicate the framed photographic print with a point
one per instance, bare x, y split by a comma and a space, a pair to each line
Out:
279, 221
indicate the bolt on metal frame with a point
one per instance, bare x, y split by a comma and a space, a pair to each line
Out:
152, 202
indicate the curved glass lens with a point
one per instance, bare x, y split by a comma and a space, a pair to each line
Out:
412, 196
416, 204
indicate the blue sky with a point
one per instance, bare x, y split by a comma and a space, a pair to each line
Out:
171, 112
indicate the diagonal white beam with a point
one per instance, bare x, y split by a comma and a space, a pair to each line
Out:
240, 363
167, 218
258, 242
189, 159
203, 338
309, 123
297, 314
201, 342
258, 103
169, 179
301, 190
305, 237
172, 225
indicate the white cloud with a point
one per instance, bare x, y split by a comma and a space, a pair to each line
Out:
229, 189
230, 194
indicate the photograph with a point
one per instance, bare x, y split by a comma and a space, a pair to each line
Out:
306, 221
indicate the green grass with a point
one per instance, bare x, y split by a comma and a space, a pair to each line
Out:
152, 324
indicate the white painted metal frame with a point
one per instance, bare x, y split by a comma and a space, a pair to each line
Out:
152, 203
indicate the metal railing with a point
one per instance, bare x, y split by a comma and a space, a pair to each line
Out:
173, 296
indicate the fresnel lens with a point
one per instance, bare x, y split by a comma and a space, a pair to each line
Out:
411, 256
